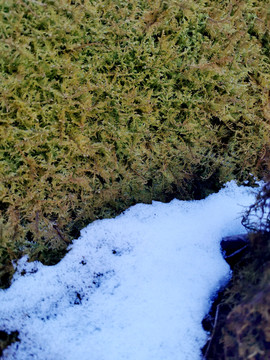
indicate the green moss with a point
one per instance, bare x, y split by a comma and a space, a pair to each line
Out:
107, 103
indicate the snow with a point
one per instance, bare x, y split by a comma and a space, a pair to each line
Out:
135, 287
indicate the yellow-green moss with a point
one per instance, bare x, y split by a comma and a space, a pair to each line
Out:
107, 103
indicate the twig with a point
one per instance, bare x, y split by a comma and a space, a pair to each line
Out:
237, 252
226, 17
213, 331
60, 234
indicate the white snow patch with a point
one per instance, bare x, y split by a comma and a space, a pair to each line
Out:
135, 287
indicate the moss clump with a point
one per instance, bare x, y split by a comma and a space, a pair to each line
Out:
107, 103
7, 339
241, 315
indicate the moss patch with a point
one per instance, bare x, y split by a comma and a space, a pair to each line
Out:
7, 339
108, 103
239, 321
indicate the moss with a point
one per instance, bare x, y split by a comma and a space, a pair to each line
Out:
241, 311
108, 103
7, 339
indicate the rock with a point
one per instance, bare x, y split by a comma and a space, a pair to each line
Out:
234, 248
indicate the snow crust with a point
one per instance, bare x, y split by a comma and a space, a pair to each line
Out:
135, 287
